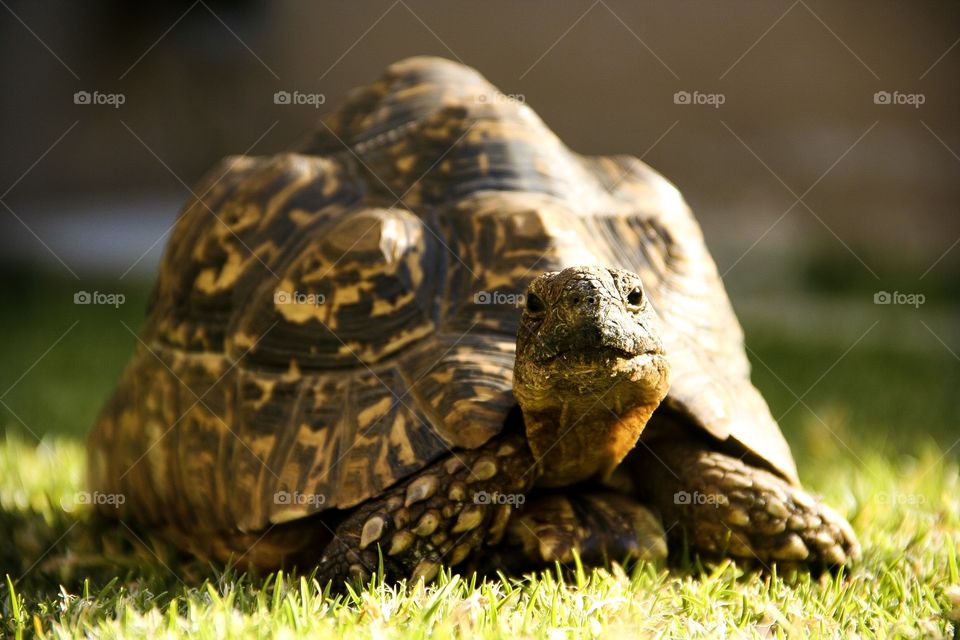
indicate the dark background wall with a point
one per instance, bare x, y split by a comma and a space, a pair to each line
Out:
95, 186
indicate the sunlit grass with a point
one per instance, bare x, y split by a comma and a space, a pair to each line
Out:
907, 513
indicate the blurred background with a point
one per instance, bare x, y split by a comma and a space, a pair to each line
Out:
817, 143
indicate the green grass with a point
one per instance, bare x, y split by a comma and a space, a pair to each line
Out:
873, 436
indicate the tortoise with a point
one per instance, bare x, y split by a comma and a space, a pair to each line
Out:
434, 335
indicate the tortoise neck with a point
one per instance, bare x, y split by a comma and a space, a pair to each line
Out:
579, 438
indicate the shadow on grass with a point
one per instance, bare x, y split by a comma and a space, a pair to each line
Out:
50, 550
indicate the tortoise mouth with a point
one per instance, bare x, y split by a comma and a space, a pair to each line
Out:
587, 372
597, 355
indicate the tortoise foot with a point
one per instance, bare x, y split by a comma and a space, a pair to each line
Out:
723, 506
440, 516
598, 526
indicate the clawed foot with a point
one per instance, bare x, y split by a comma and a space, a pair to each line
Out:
726, 507
598, 526
759, 515
439, 517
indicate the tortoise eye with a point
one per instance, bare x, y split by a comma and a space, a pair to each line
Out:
535, 304
635, 297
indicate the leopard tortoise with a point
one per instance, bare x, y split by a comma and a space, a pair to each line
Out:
335, 371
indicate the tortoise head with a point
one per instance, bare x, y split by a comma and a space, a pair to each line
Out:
590, 369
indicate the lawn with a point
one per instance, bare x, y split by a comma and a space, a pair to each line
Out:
867, 396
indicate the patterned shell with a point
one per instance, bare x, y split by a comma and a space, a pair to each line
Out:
328, 322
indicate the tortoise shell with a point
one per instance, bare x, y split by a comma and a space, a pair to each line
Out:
328, 322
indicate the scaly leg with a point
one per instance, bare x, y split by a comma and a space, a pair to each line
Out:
725, 506
441, 516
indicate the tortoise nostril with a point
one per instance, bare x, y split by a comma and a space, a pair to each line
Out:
576, 301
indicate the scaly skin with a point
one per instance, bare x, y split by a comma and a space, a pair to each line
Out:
723, 506
441, 516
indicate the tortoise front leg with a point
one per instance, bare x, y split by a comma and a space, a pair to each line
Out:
723, 505
441, 516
